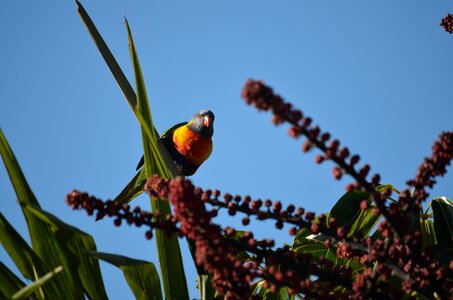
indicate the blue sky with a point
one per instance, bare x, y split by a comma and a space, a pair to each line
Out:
376, 75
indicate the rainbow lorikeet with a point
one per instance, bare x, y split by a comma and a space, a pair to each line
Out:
188, 143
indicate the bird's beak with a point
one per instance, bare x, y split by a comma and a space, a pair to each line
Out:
207, 121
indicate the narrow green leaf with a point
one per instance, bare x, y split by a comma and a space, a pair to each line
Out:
76, 244
26, 292
16, 176
301, 234
204, 278
141, 276
20, 252
443, 220
123, 83
281, 294
153, 160
255, 287
268, 295
259, 290
377, 235
318, 249
369, 222
44, 243
364, 223
428, 232
315, 248
172, 269
347, 207
207, 292
382, 187
10, 282
23, 256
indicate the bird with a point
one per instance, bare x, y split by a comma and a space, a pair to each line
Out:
189, 145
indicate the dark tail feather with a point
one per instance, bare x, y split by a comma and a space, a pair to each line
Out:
131, 190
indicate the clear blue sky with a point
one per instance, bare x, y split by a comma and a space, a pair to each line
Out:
376, 74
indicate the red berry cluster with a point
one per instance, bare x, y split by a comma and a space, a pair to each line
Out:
261, 96
400, 231
263, 210
256, 93
447, 23
230, 277
433, 166
397, 257
406, 211
121, 212
217, 248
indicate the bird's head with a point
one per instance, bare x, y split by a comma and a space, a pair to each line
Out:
202, 123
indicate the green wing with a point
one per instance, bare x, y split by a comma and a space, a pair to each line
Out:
170, 130
164, 135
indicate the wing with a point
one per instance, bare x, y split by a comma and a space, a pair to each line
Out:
164, 135
170, 130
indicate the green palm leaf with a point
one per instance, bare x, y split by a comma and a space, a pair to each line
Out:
76, 244
173, 275
44, 243
141, 276
28, 290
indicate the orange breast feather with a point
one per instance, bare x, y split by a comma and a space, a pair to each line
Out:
193, 147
